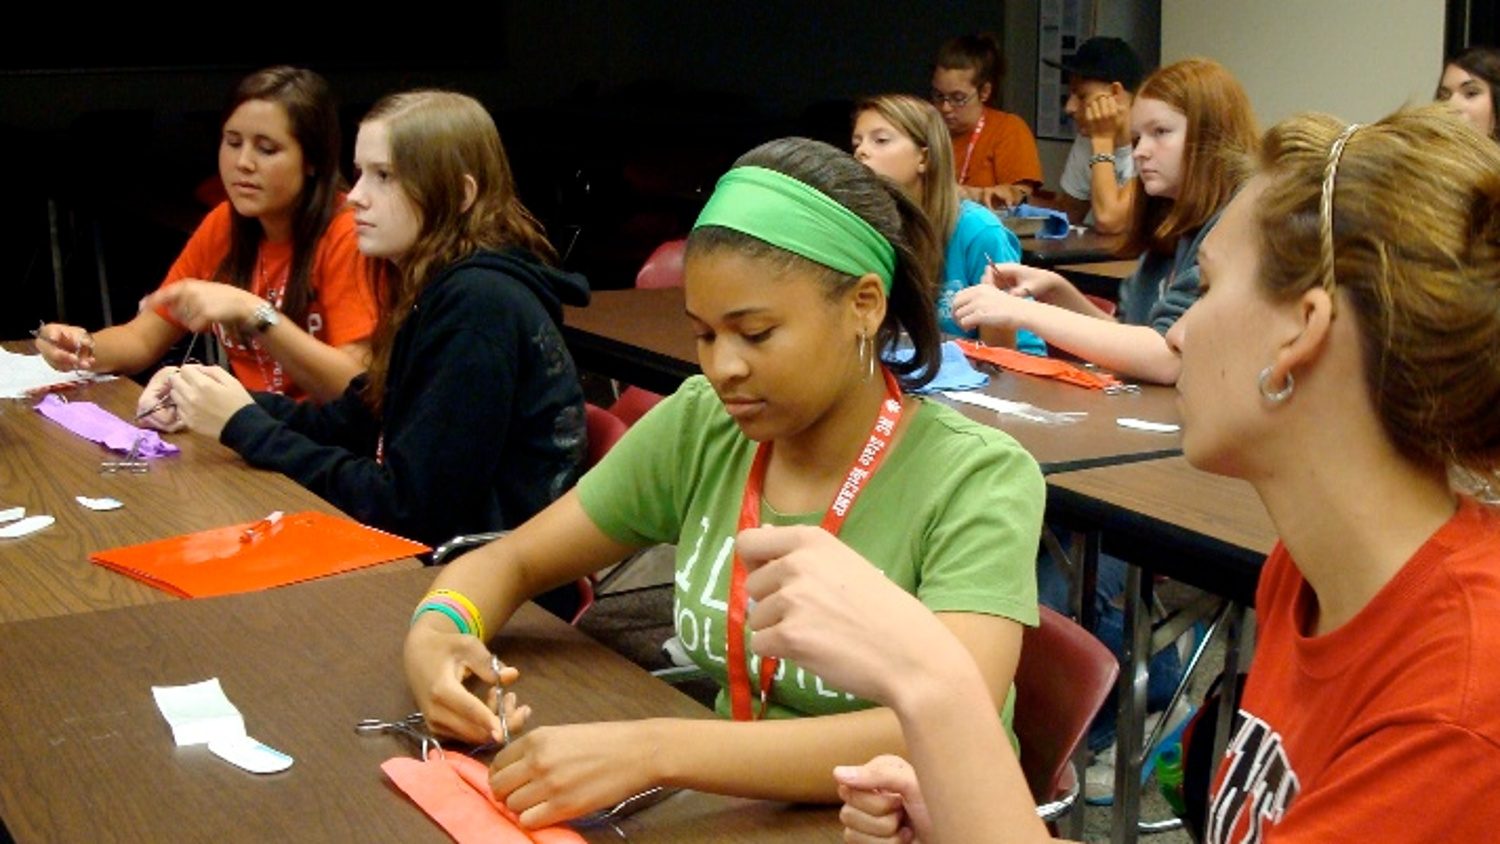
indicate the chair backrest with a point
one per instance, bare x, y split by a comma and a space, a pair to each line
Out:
1064, 676
1102, 303
633, 403
604, 430
664, 267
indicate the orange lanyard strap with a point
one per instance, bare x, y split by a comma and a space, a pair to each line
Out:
963, 174
863, 468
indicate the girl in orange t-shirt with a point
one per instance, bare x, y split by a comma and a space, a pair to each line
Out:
275, 271
994, 152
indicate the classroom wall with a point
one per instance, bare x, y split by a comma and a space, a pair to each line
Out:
1353, 58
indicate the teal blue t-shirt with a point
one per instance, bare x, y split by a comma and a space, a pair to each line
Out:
978, 233
953, 517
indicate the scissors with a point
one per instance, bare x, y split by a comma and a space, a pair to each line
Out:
623, 809
132, 462
413, 727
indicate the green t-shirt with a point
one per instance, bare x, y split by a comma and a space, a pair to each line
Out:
953, 516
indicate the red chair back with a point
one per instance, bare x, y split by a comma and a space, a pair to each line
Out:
663, 268
1064, 676
1102, 303
604, 430
633, 403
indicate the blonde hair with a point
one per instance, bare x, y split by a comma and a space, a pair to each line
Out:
1219, 123
923, 124
1415, 255
437, 138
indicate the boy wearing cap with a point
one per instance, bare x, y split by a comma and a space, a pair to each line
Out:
1102, 77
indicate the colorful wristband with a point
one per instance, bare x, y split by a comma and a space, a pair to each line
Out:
468, 606
429, 606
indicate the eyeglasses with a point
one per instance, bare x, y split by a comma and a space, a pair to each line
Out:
955, 100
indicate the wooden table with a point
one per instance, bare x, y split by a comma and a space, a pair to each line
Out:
1165, 517
638, 336
1202, 529
1078, 247
88, 756
43, 466
641, 337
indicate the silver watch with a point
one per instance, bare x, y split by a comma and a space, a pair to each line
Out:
264, 316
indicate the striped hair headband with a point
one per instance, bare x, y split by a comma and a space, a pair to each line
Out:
1325, 209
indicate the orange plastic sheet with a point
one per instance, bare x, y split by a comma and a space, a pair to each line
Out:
255, 555
454, 790
1057, 370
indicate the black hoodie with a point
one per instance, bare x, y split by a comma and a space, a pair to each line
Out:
482, 423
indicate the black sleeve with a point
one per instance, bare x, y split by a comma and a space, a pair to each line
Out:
444, 432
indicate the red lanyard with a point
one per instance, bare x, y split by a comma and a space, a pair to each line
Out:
864, 466
963, 174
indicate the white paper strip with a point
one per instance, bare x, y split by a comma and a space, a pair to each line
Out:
1143, 425
27, 526
199, 713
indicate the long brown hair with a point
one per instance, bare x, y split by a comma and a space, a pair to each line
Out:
1220, 126
313, 118
437, 138
1416, 257
919, 121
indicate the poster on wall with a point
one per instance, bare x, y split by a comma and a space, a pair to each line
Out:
1061, 26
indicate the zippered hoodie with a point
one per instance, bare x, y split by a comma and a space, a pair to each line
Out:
482, 423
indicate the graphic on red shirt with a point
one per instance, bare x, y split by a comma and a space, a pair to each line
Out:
1255, 784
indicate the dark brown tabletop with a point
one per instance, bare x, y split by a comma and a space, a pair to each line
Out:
1078, 247
1096, 439
641, 337
1203, 529
89, 757
42, 468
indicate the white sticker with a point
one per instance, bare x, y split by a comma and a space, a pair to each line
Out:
26, 526
199, 713
1143, 425
249, 754
98, 503
12, 514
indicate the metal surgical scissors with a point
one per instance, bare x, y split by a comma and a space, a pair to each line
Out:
413, 727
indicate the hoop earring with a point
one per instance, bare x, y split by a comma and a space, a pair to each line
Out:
1279, 396
867, 354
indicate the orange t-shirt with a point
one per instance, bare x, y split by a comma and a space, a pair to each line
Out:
1004, 154
342, 309
1386, 728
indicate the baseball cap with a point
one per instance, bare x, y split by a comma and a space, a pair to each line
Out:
1105, 59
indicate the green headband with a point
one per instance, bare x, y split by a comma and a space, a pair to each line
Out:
803, 220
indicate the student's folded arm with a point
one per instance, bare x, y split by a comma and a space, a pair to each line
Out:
1111, 202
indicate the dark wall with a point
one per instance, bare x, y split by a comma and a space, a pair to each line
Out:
618, 116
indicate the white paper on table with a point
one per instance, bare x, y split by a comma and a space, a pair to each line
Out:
1018, 409
199, 713
20, 374
1143, 425
26, 527
10, 514
99, 504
